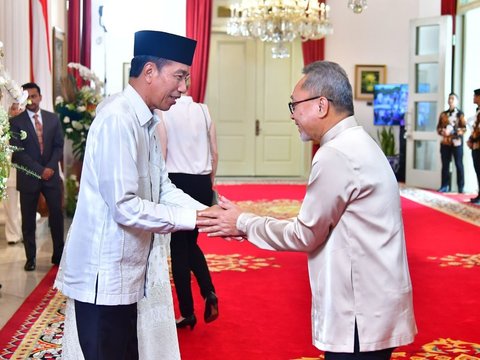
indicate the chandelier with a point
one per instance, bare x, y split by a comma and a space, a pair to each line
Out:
357, 6
280, 21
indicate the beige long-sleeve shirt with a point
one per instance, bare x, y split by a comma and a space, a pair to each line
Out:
350, 224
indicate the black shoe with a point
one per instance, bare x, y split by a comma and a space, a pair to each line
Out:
476, 202
30, 265
211, 307
188, 321
56, 260
475, 199
444, 189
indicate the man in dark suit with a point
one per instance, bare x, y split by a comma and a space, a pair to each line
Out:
40, 152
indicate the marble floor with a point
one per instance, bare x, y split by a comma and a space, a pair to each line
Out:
17, 283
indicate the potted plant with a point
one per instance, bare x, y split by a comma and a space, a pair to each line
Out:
386, 137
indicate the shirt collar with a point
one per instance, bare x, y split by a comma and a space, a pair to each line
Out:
31, 113
343, 125
144, 115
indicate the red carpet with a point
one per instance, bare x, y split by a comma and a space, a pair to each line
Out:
264, 297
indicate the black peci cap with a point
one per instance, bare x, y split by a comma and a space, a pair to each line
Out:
164, 45
476, 92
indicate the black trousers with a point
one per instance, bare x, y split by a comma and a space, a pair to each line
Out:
476, 165
186, 255
28, 206
107, 332
383, 354
447, 152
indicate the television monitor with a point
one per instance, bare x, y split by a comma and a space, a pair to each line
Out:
390, 104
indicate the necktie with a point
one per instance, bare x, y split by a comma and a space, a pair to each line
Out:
39, 131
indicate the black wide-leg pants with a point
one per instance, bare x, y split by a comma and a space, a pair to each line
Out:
186, 255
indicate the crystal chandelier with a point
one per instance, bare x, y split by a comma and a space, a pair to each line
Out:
280, 21
357, 6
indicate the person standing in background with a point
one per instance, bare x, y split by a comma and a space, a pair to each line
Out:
188, 138
13, 229
473, 143
40, 152
451, 127
362, 306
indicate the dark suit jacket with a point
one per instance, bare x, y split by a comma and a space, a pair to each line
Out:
30, 157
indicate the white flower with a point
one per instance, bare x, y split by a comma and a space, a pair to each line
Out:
23, 134
69, 130
81, 108
58, 100
77, 125
66, 119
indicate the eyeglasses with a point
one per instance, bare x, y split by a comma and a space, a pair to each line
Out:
291, 105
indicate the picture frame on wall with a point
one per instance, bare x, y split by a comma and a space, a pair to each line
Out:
366, 77
59, 63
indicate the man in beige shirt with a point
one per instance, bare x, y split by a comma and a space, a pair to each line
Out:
350, 224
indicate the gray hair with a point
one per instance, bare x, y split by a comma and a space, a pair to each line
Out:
328, 79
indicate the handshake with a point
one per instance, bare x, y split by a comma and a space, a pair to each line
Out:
220, 220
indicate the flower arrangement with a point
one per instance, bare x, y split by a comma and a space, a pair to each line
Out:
77, 106
20, 96
71, 187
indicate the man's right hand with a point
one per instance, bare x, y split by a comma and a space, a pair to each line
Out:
47, 174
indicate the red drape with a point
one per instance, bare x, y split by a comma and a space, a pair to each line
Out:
199, 18
86, 48
449, 7
313, 50
74, 16
80, 33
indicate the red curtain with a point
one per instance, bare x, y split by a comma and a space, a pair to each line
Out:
80, 33
74, 16
313, 50
199, 19
85, 56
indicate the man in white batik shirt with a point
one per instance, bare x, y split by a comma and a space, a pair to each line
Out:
350, 224
126, 197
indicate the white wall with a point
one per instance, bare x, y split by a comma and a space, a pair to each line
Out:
122, 19
378, 36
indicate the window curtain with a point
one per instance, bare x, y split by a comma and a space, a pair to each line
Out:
313, 50
199, 19
86, 49
449, 7
79, 33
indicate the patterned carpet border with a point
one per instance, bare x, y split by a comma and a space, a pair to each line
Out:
464, 212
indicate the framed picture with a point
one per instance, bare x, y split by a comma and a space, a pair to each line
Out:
59, 66
126, 73
366, 77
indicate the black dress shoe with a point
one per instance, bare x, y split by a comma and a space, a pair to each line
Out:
475, 199
211, 307
188, 321
444, 189
56, 261
29, 265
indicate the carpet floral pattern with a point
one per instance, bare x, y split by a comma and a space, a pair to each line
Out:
464, 212
40, 335
466, 261
237, 262
281, 209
